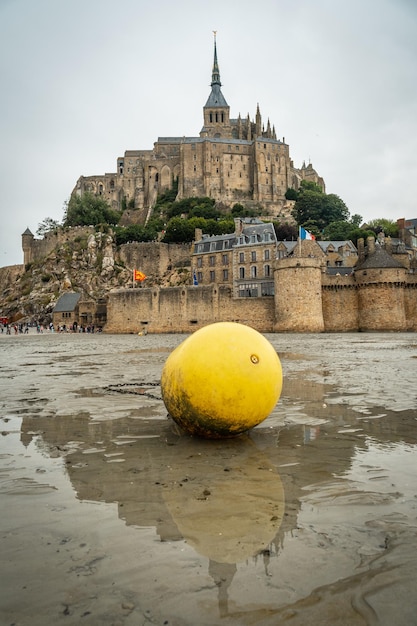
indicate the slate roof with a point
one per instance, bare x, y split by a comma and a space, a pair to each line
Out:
27, 232
343, 270
216, 98
336, 245
67, 302
379, 259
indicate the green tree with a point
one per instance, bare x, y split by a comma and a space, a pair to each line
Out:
314, 209
238, 210
204, 210
360, 233
338, 231
89, 210
186, 206
134, 232
291, 194
179, 230
389, 227
47, 225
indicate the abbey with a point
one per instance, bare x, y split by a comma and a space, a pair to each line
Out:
233, 160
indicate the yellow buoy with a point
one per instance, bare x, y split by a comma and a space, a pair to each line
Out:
221, 381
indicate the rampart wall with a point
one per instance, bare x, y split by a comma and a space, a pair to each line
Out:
340, 304
410, 302
36, 249
184, 309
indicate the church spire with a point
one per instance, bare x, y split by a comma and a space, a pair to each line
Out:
215, 75
216, 98
216, 110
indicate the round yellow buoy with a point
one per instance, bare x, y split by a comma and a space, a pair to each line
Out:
221, 381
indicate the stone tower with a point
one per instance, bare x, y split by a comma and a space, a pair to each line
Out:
27, 246
216, 111
380, 282
298, 295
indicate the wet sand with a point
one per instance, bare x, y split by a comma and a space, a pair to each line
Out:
111, 516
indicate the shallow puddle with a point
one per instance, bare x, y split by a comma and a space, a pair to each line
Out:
111, 515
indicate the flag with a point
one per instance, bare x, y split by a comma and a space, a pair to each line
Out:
137, 275
195, 281
304, 234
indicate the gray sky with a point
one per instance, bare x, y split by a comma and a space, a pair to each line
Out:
84, 80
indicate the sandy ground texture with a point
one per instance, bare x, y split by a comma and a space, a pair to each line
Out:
111, 516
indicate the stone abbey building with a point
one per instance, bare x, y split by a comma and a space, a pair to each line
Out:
233, 160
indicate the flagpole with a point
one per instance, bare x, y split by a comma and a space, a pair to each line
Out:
299, 241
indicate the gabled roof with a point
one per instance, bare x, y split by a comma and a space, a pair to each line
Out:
67, 302
337, 244
289, 245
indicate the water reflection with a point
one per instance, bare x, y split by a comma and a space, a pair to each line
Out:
316, 506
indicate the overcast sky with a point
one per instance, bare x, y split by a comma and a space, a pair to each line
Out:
84, 80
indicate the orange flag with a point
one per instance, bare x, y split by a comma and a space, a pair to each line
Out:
137, 275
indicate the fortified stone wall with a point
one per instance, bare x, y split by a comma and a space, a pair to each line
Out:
306, 300
36, 249
184, 310
340, 303
410, 302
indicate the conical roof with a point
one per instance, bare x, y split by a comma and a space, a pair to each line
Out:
380, 259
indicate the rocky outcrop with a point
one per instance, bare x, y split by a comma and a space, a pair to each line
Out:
88, 263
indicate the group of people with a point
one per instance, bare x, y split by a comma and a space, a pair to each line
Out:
79, 328
23, 329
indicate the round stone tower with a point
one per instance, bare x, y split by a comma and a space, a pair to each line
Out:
298, 300
27, 246
381, 282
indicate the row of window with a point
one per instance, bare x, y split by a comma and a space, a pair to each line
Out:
253, 273
225, 275
225, 258
217, 117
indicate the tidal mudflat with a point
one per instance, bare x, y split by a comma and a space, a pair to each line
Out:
111, 516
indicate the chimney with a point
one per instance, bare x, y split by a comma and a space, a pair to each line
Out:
361, 250
371, 245
238, 226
